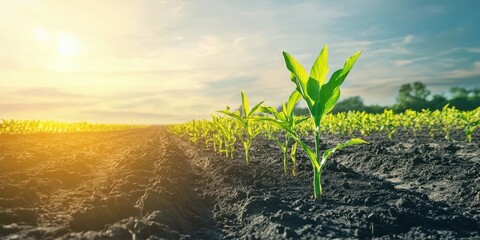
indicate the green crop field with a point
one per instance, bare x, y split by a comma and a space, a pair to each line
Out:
320, 97
41, 126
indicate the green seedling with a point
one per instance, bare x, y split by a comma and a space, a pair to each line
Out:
285, 118
246, 120
320, 97
469, 129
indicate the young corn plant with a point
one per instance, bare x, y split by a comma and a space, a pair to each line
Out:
471, 121
226, 132
320, 97
193, 132
287, 118
469, 128
246, 120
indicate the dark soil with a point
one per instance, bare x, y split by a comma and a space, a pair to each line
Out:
149, 184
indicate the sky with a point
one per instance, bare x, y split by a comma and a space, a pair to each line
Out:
169, 61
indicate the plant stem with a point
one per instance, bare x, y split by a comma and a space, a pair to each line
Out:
317, 183
285, 157
246, 146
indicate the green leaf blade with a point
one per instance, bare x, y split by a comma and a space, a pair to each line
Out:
330, 92
295, 67
292, 101
245, 105
328, 152
319, 69
310, 153
254, 109
269, 110
234, 116
313, 89
297, 70
347, 66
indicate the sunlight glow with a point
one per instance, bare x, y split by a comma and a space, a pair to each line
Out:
40, 35
67, 44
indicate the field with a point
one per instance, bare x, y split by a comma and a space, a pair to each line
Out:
150, 183
184, 119
258, 172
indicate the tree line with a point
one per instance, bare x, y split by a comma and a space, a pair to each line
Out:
413, 96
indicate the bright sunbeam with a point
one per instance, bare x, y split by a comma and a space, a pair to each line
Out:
67, 44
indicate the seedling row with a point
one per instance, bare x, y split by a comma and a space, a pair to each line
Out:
38, 126
290, 132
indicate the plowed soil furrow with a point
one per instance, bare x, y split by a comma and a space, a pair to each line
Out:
150, 184
108, 185
445, 171
99, 178
261, 202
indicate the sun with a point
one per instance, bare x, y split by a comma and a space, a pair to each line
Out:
67, 45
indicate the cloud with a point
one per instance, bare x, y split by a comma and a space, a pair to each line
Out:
396, 45
400, 63
37, 100
408, 39
152, 103
130, 116
403, 62
473, 50
46, 93
35, 107
234, 83
473, 71
165, 61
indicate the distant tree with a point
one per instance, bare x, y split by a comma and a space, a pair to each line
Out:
438, 102
405, 93
412, 96
376, 108
464, 99
300, 111
404, 98
459, 92
350, 104
476, 92
475, 96
420, 91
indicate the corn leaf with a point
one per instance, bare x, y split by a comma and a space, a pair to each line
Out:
330, 92
254, 109
319, 69
313, 89
298, 71
330, 151
235, 115
298, 121
269, 110
292, 101
279, 124
245, 105
308, 151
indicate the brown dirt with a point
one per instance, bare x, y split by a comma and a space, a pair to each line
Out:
147, 183
102, 185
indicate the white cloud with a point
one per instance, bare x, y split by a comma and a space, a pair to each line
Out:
408, 39
473, 50
397, 45
194, 57
400, 63
473, 71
